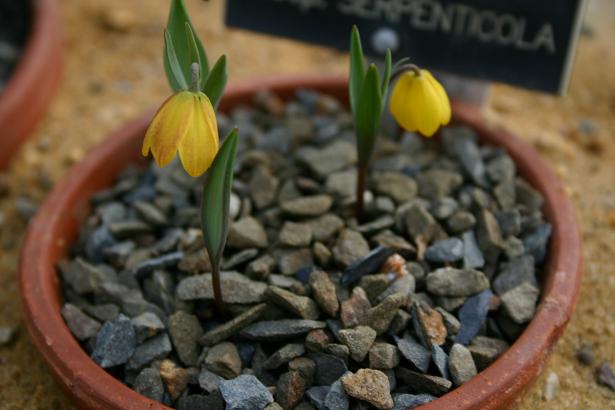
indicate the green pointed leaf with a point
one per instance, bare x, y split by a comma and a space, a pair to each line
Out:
176, 26
368, 113
216, 81
386, 77
195, 57
216, 198
357, 69
174, 74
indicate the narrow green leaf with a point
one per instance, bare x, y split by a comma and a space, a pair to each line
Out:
368, 113
178, 18
357, 69
174, 74
216, 81
216, 198
386, 77
195, 57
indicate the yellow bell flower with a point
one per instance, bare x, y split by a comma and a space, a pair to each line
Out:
185, 122
419, 102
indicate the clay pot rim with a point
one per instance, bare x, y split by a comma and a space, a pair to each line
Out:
498, 386
34, 79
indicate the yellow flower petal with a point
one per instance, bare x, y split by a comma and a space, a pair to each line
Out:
199, 146
168, 128
419, 103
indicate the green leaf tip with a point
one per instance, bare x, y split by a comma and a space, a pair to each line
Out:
216, 81
216, 198
357, 68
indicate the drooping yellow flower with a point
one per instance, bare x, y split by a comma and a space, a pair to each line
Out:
185, 122
419, 103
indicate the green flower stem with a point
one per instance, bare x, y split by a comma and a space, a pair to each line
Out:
215, 277
361, 177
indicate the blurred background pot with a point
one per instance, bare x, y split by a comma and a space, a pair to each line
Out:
34, 80
57, 224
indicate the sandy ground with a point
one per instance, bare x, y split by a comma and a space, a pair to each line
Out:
113, 73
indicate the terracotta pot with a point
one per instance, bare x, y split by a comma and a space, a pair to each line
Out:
34, 81
57, 224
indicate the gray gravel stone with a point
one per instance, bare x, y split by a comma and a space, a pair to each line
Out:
284, 355
349, 247
414, 352
520, 302
434, 385
84, 277
333, 157
277, 330
336, 397
115, 343
324, 292
359, 340
314, 205
440, 359
472, 255
223, 359
233, 326
317, 395
399, 187
155, 348
456, 282
209, 381
261, 267
371, 386
325, 226
461, 364
437, 183
460, 221
263, 187
489, 236
383, 356
290, 261
146, 325
245, 392
247, 232
411, 401
185, 331
447, 250
236, 288
295, 235
239, 258
329, 368
342, 184
7, 334
81, 325
149, 384
472, 315
536, 242
380, 316
302, 306
485, 350
290, 389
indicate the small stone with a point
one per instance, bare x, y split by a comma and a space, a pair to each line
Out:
150, 213
383, 356
440, 359
223, 359
336, 397
129, 228
456, 282
239, 258
472, 255
513, 247
81, 325
450, 321
411, 401
247, 233
399, 187
284, 355
400, 322
485, 350
290, 261
434, 385
349, 247
342, 184
338, 350
371, 386
536, 242
260, 268
403, 285
375, 285
520, 303
359, 340
185, 331
447, 250
489, 235
460, 364
472, 315
154, 348
325, 226
288, 283
329, 368
162, 262
305, 206
414, 352
387, 239
420, 224
115, 343
377, 225
428, 324
606, 376
437, 183
324, 292
300, 305
233, 326
174, 378
146, 325
585, 355
509, 221
305, 366
552, 386
504, 193
467, 151
263, 187
443, 208
528, 196
334, 157
321, 253
209, 381
317, 340
514, 273
380, 316
245, 392
236, 288
460, 221
317, 395
149, 384
83, 277
278, 330
7, 334
367, 265
295, 235
290, 389
501, 168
